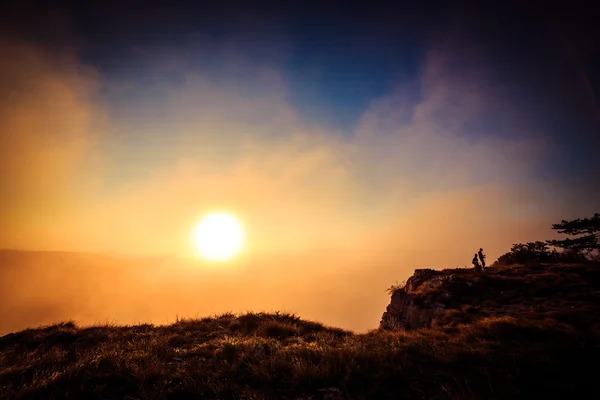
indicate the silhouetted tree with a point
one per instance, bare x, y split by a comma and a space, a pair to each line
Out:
586, 230
535, 248
528, 252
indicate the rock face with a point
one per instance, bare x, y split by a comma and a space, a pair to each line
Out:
408, 309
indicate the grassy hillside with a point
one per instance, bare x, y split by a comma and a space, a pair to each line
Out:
524, 332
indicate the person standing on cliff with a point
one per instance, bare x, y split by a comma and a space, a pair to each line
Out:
482, 258
476, 263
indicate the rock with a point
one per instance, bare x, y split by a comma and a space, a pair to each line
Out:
407, 311
422, 301
425, 297
419, 277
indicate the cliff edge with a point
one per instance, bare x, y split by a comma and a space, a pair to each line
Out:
432, 298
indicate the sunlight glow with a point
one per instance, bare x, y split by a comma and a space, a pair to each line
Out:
218, 237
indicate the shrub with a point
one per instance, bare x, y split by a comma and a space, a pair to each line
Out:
521, 253
396, 286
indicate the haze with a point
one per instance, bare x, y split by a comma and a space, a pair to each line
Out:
109, 157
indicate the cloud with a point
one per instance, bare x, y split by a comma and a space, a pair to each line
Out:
197, 144
47, 118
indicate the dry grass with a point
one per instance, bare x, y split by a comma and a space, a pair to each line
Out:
549, 354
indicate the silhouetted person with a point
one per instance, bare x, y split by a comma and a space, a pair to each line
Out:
476, 263
481, 258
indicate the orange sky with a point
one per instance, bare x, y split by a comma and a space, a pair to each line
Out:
329, 218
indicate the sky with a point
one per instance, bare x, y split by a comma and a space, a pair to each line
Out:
355, 143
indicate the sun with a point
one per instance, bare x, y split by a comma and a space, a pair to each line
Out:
218, 237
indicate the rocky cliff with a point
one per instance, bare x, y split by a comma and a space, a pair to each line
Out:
409, 309
448, 297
